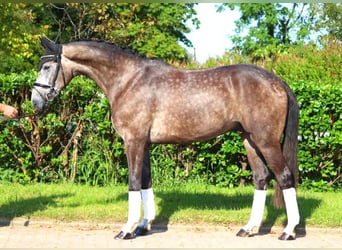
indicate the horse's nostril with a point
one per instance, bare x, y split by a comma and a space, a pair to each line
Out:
38, 105
35, 103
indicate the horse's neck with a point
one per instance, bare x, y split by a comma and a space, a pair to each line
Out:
104, 70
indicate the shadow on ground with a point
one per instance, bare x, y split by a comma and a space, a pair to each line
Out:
214, 202
167, 208
25, 207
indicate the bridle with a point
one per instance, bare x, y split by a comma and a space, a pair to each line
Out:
53, 90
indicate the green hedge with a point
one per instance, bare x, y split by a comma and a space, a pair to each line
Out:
76, 142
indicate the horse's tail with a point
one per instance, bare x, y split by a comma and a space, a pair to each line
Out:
290, 143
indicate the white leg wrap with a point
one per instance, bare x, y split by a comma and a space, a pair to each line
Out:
134, 208
257, 213
147, 196
292, 212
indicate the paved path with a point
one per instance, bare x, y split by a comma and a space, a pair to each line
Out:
43, 234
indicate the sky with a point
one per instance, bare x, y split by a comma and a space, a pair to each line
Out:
211, 39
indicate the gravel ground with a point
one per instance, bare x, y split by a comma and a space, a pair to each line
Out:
20, 233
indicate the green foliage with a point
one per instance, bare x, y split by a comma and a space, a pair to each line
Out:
312, 73
18, 38
329, 18
321, 134
269, 26
76, 142
217, 161
310, 63
152, 29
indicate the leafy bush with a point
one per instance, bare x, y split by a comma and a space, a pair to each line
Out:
310, 64
76, 142
320, 144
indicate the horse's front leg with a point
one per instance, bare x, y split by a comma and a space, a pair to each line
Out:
135, 155
147, 196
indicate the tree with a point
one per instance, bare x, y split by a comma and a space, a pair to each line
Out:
153, 29
269, 27
18, 38
329, 19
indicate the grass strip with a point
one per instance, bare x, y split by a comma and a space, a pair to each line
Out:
188, 203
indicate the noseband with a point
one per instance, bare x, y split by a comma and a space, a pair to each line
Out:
53, 90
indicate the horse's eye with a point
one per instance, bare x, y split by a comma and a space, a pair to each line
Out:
46, 67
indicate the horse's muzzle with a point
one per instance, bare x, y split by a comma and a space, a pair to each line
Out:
39, 104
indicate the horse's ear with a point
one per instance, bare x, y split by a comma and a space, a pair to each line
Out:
48, 45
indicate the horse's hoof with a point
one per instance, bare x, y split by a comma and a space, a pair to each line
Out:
140, 231
286, 236
242, 233
123, 236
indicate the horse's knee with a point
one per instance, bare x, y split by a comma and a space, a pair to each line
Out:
285, 178
134, 184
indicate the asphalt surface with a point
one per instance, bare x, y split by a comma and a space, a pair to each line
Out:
20, 233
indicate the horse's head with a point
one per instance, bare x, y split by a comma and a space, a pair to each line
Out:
51, 77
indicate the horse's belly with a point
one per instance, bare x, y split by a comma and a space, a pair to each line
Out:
183, 117
185, 131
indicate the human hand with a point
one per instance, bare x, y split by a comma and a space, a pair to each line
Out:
9, 111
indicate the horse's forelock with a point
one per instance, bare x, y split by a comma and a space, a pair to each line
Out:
50, 49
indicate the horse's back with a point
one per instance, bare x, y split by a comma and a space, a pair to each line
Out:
193, 105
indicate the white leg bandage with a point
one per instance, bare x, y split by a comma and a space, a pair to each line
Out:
134, 208
147, 196
257, 213
292, 212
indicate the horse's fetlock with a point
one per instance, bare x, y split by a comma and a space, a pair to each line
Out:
286, 179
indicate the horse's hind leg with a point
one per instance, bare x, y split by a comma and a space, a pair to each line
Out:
285, 179
147, 196
261, 178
